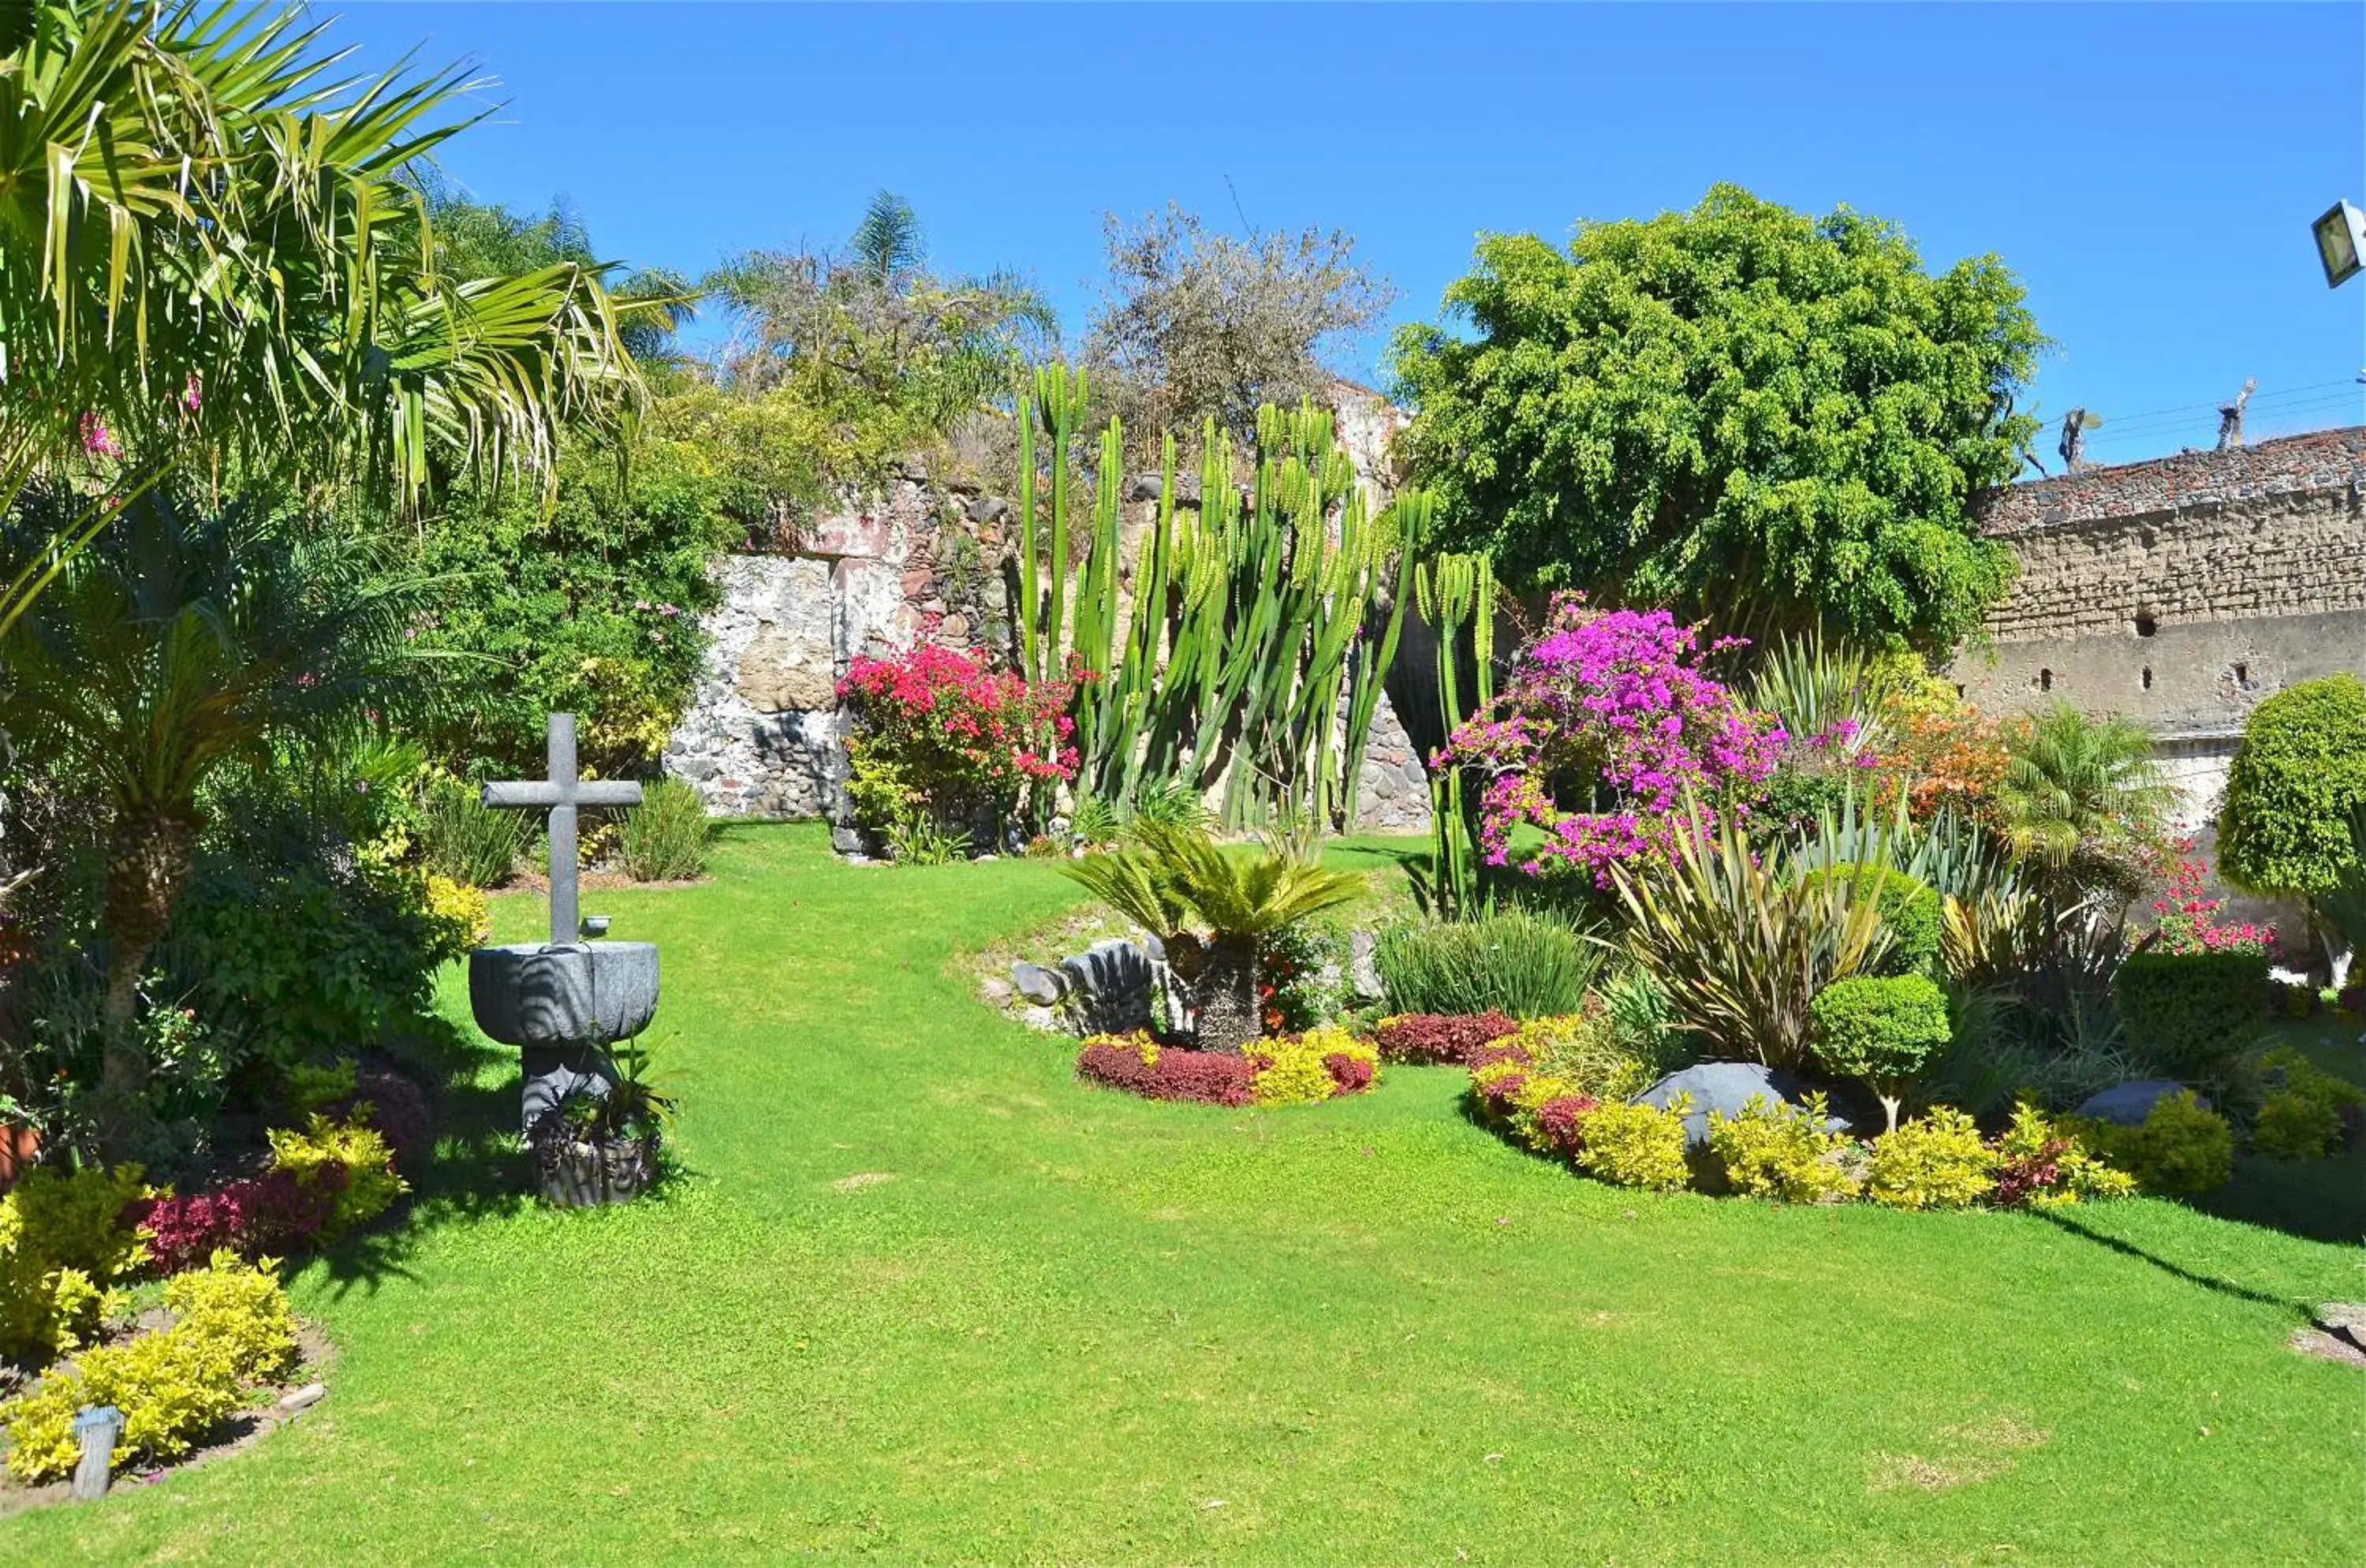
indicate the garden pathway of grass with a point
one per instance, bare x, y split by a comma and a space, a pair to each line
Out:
924, 1299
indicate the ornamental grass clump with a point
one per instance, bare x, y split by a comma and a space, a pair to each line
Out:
664, 838
1525, 965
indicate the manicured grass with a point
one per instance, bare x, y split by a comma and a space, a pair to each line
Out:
924, 1299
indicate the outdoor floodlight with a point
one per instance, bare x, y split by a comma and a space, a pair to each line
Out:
2340, 237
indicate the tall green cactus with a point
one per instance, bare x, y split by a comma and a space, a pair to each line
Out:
1261, 626
1453, 592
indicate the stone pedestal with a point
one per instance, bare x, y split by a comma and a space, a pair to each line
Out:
562, 1007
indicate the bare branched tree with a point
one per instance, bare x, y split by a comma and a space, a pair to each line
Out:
1195, 324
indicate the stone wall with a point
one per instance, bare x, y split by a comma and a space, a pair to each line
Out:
2181, 591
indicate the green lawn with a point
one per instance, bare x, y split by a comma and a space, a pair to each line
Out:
922, 1298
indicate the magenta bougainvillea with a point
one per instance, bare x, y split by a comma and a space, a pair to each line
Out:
1609, 740
943, 734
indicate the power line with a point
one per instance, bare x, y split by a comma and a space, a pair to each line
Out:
2113, 431
2171, 415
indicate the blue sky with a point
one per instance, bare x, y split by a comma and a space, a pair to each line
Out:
2150, 172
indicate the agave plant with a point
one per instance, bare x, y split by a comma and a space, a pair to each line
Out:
1170, 877
1743, 942
183, 638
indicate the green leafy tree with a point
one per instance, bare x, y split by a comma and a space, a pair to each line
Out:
588, 601
208, 242
1740, 413
1195, 324
866, 354
186, 638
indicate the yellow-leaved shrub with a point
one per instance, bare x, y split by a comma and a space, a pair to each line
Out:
62, 1240
1637, 1145
1937, 1161
1771, 1150
358, 1151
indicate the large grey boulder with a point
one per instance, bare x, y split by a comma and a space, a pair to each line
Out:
1037, 985
1725, 1088
2127, 1104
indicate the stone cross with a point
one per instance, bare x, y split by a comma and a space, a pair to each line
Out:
560, 793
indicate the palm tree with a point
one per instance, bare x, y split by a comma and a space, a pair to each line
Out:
208, 240
2081, 800
1172, 874
180, 640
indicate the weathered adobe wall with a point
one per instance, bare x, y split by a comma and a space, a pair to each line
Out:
2181, 591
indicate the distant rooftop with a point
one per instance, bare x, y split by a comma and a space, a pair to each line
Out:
2322, 460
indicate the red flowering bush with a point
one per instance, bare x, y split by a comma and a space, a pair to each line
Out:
2186, 922
1612, 710
1139, 1067
942, 734
1430, 1038
267, 1215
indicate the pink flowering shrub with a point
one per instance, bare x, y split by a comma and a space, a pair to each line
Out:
1604, 732
941, 734
2186, 922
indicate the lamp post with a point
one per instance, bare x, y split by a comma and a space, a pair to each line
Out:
2341, 242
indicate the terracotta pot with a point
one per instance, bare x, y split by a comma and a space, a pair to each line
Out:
20, 1145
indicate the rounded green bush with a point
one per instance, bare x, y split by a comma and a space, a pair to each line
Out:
2190, 1013
2296, 781
1911, 911
1880, 1029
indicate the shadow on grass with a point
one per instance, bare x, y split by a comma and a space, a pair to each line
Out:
2212, 1283
478, 1168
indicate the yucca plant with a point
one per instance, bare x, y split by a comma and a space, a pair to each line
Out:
1742, 944
1822, 690
1170, 877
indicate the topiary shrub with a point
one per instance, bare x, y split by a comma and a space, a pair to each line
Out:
2296, 781
1937, 1161
1881, 1030
1910, 910
2182, 1150
2192, 1013
1438, 1038
1770, 1149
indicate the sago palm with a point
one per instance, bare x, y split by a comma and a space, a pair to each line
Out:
183, 639
1171, 875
